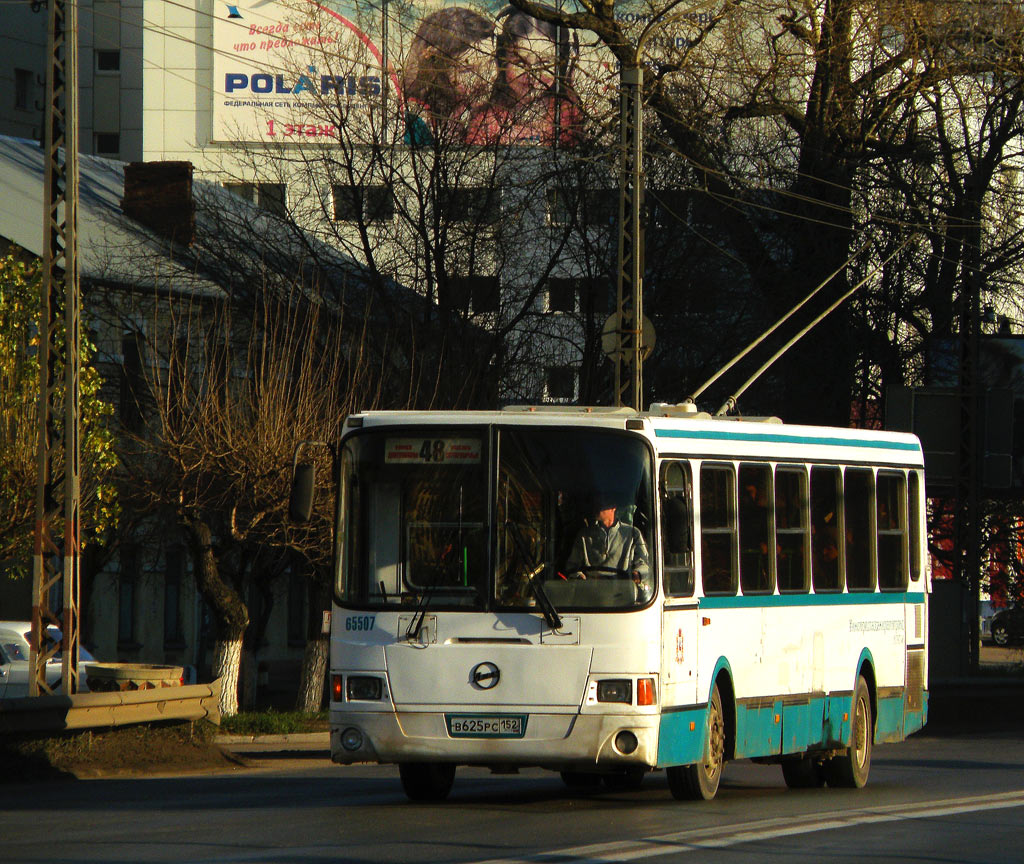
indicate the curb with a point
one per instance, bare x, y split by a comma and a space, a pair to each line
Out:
294, 741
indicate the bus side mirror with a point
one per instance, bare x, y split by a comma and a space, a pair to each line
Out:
300, 505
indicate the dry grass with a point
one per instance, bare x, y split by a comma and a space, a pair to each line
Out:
130, 750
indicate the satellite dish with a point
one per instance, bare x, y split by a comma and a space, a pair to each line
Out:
611, 345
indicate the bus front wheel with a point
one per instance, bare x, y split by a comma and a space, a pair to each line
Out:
426, 781
850, 769
700, 781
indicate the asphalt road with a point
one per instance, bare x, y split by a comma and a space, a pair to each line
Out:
949, 796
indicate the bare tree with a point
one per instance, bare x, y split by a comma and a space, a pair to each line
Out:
232, 397
776, 115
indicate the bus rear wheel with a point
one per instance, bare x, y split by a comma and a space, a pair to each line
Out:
850, 769
427, 781
700, 781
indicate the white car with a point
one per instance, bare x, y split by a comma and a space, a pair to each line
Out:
14, 660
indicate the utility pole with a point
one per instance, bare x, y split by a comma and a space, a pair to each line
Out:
967, 553
55, 568
629, 284
630, 335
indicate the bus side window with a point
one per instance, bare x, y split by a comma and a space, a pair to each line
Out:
718, 529
826, 536
914, 501
791, 535
858, 492
891, 521
676, 534
756, 540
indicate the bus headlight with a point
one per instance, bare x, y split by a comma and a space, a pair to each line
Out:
364, 688
615, 690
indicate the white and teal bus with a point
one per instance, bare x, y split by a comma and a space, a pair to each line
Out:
780, 614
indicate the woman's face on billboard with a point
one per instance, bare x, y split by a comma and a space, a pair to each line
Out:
473, 69
530, 65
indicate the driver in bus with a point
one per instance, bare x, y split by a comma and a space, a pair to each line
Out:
607, 544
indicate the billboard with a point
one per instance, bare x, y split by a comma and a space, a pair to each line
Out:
476, 73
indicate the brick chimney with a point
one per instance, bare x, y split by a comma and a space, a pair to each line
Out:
159, 196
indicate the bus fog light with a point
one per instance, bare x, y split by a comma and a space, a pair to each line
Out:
352, 739
615, 690
364, 687
626, 743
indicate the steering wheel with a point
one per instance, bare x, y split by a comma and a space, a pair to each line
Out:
595, 571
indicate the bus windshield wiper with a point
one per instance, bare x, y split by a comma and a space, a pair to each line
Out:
547, 608
413, 630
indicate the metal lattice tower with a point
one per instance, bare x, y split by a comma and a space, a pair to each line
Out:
629, 285
55, 567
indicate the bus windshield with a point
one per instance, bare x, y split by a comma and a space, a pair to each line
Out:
496, 518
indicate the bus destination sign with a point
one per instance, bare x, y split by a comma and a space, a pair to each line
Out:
432, 451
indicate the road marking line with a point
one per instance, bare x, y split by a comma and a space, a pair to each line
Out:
763, 829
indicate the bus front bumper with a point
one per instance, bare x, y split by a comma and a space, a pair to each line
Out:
559, 741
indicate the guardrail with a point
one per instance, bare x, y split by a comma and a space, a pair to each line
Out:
119, 708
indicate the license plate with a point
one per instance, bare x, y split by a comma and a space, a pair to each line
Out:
486, 725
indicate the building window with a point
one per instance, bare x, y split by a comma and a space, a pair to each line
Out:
133, 382
363, 203
246, 191
561, 383
481, 206
560, 208
269, 197
127, 581
173, 573
562, 294
108, 144
108, 61
23, 89
602, 207
484, 293
479, 293
598, 296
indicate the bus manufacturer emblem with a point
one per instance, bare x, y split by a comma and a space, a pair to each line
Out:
484, 676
